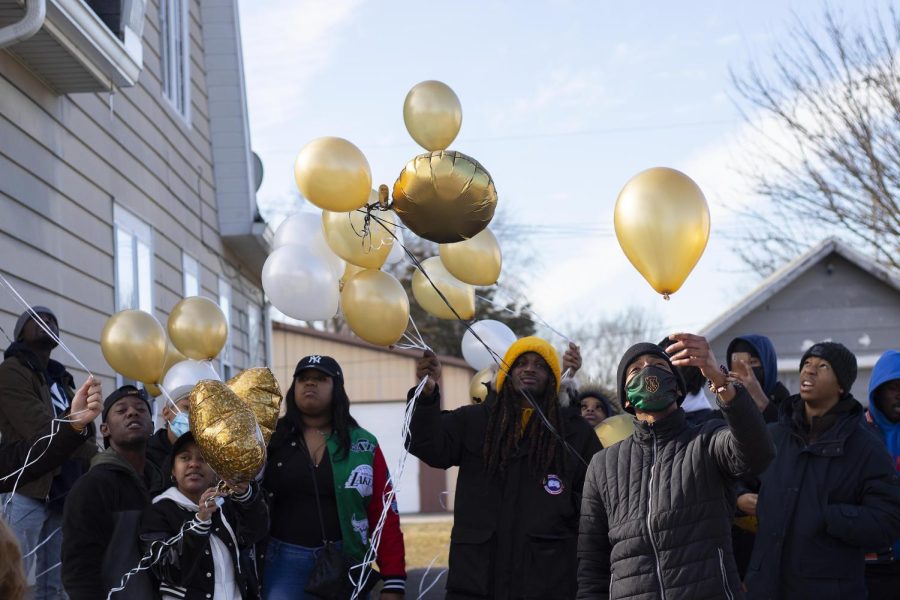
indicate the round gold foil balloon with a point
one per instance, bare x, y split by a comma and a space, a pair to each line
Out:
259, 390
198, 328
376, 307
333, 174
226, 432
478, 387
614, 429
432, 114
345, 237
662, 224
134, 344
461, 296
445, 197
476, 261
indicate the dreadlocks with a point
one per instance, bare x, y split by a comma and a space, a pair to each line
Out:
504, 431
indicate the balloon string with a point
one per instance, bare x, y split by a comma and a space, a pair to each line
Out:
530, 312
496, 357
42, 324
436, 578
168, 397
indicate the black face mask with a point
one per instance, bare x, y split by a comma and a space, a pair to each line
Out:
652, 389
760, 375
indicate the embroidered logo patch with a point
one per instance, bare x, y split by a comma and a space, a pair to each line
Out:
361, 526
315, 359
652, 383
361, 480
362, 446
553, 485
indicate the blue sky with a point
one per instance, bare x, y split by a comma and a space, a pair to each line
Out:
563, 102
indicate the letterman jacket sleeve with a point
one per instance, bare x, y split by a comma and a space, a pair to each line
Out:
391, 554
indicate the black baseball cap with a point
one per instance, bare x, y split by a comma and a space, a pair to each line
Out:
326, 364
124, 392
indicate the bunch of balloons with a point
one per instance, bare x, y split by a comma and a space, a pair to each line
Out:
325, 263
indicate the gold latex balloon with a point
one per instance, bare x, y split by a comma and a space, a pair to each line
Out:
460, 295
614, 429
376, 307
333, 174
197, 327
478, 389
432, 114
350, 270
445, 197
259, 390
173, 356
662, 224
152, 389
345, 236
226, 432
476, 261
134, 344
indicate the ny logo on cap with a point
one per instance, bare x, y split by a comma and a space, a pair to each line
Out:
314, 360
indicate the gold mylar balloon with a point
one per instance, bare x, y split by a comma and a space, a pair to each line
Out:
134, 344
476, 261
460, 295
478, 387
259, 390
376, 307
198, 328
432, 115
445, 197
226, 432
662, 223
344, 234
614, 429
333, 174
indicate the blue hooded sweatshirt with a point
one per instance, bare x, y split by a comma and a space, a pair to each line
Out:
767, 357
886, 369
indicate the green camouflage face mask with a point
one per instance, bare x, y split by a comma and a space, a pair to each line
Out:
652, 389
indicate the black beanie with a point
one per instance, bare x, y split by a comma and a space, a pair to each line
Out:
628, 358
842, 361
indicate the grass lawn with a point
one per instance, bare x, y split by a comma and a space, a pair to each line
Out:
424, 540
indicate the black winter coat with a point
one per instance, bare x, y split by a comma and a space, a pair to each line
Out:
186, 569
657, 509
43, 458
513, 535
819, 505
100, 529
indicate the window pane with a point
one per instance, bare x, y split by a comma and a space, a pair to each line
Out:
191, 271
225, 305
253, 335
145, 277
125, 280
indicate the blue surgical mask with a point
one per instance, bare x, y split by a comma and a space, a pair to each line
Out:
180, 425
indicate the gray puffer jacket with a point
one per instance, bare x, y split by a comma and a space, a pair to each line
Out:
657, 507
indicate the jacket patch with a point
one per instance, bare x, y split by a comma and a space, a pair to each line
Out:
362, 446
361, 526
361, 480
553, 485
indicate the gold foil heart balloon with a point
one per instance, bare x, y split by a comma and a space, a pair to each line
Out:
259, 390
226, 431
445, 196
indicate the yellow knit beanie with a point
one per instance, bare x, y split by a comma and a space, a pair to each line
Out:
530, 344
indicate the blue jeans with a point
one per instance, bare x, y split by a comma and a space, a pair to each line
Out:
287, 570
33, 522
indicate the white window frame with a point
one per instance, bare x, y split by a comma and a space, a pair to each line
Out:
141, 235
225, 303
190, 270
254, 335
175, 55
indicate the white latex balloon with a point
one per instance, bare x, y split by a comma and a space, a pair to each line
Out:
397, 252
184, 375
495, 334
304, 230
301, 284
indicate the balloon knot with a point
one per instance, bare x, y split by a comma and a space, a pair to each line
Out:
666, 296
